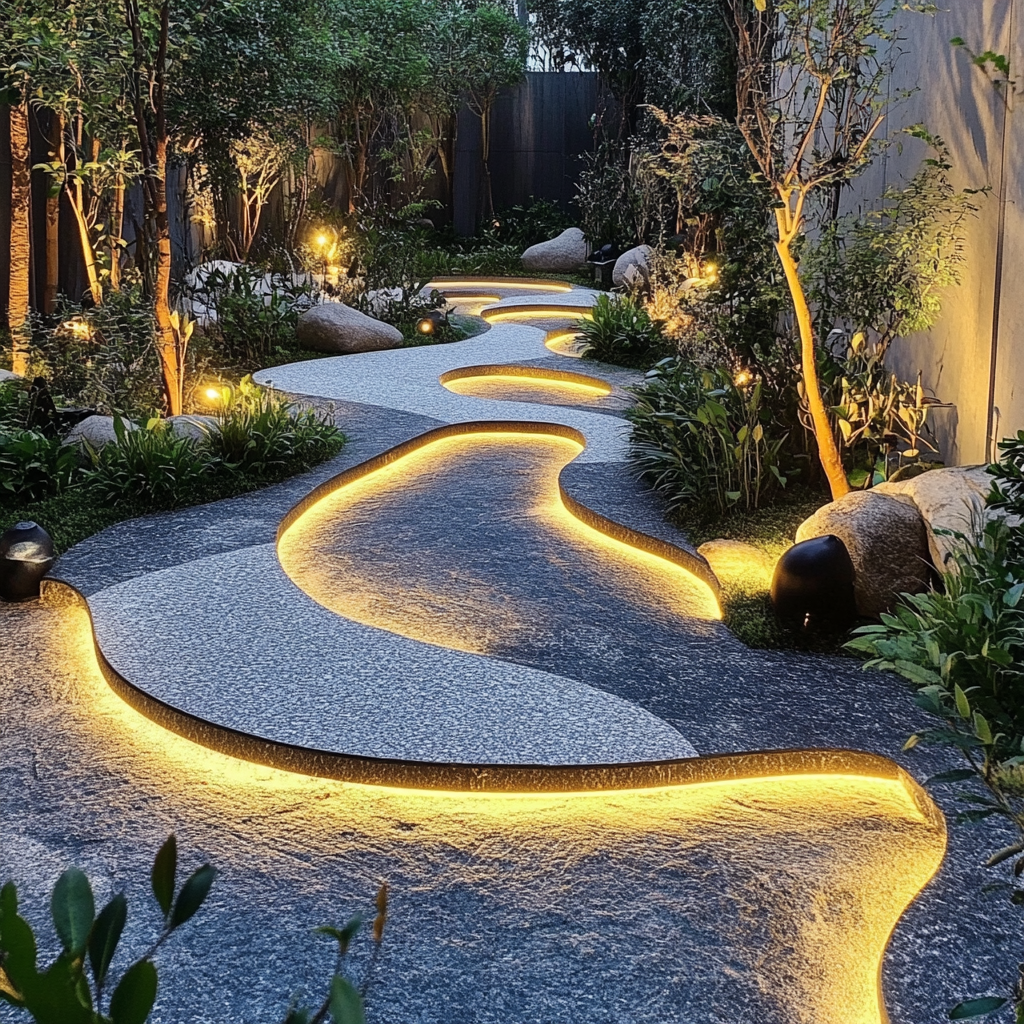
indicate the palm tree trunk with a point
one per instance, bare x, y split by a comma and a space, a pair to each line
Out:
21, 243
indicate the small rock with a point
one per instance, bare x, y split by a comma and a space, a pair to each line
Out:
192, 425
564, 254
340, 329
887, 542
948, 499
736, 558
7, 375
97, 430
633, 262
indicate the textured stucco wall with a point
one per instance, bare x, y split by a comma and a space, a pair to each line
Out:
984, 134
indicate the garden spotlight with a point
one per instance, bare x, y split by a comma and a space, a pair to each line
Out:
429, 323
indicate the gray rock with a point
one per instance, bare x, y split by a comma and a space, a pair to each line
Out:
564, 254
629, 264
337, 328
887, 541
97, 430
7, 375
192, 425
948, 499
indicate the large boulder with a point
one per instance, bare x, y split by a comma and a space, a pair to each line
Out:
339, 329
631, 264
7, 375
564, 254
948, 499
888, 545
97, 430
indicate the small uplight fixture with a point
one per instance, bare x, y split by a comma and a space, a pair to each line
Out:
429, 323
742, 378
78, 328
321, 240
710, 273
214, 394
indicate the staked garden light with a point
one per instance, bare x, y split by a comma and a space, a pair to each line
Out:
431, 322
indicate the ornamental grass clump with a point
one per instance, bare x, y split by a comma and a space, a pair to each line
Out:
261, 436
707, 438
622, 332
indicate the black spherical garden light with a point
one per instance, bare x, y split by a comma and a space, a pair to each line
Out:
26, 556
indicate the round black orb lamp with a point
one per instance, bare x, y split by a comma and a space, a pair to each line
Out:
430, 322
812, 588
26, 556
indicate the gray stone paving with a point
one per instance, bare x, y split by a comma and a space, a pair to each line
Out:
553, 914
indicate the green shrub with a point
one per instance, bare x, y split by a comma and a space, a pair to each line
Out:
621, 332
152, 464
101, 357
962, 650
13, 404
703, 438
34, 466
72, 989
255, 324
260, 436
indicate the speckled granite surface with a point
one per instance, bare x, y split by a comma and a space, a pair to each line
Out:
553, 910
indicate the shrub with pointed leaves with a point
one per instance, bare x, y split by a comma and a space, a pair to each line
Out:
72, 989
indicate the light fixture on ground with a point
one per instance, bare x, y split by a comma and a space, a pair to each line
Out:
26, 556
431, 322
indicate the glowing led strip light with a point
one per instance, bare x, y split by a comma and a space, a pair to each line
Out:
528, 374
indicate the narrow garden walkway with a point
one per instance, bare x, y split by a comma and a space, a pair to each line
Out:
449, 607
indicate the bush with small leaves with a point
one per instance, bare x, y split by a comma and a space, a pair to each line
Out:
73, 989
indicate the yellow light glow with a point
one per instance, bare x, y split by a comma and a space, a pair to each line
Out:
321, 240
213, 394
742, 378
657, 575
492, 381
538, 312
846, 850
425, 326
79, 328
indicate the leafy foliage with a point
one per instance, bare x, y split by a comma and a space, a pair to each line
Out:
259, 435
622, 332
71, 990
962, 650
704, 439
34, 466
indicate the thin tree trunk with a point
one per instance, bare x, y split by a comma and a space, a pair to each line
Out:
828, 453
53, 218
171, 360
85, 240
21, 245
116, 229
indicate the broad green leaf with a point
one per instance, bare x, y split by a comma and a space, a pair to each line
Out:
193, 892
346, 1003
976, 1007
106, 933
135, 994
73, 911
165, 868
981, 728
962, 703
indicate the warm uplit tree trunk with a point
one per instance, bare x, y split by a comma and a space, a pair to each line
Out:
116, 229
21, 245
53, 218
790, 227
171, 361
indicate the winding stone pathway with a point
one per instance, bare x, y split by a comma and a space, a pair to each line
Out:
447, 608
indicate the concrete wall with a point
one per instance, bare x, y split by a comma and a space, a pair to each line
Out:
974, 356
